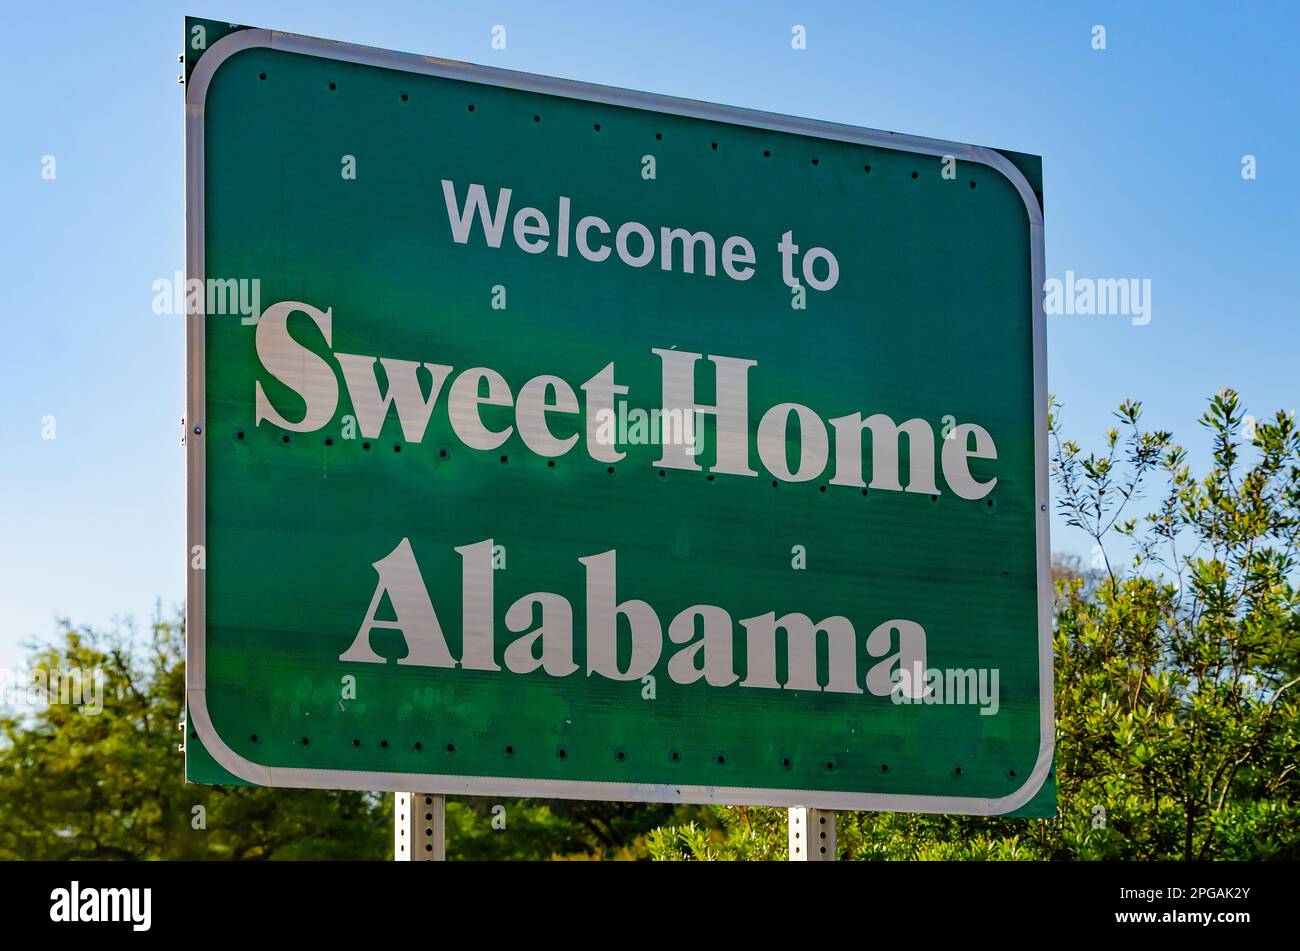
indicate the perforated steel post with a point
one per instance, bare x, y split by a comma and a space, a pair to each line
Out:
419, 827
812, 835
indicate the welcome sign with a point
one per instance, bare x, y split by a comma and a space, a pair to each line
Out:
594, 444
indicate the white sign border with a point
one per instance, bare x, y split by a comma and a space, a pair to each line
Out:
196, 437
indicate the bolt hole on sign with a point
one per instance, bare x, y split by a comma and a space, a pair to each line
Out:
588, 443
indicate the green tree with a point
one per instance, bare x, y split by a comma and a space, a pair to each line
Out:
480, 828
110, 785
1176, 710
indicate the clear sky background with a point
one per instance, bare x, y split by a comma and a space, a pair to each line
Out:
1142, 146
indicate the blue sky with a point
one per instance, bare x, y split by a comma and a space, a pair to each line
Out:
1142, 145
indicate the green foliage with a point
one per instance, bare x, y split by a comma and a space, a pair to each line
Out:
1177, 728
554, 828
111, 786
737, 833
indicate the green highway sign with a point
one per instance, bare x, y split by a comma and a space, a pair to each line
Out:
556, 440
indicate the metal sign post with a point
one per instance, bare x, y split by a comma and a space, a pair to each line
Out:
812, 835
419, 827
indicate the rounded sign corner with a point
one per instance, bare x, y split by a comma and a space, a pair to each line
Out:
216, 56
217, 747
